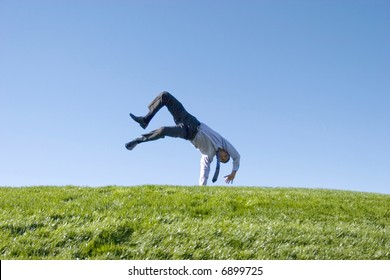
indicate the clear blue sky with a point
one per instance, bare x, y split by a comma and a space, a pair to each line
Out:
300, 88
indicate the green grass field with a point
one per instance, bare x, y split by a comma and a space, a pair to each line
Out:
168, 222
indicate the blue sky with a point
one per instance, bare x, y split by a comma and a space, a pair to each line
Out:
300, 88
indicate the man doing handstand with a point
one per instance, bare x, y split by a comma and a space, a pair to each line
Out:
187, 127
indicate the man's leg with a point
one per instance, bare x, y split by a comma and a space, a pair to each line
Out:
171, 131
180, 115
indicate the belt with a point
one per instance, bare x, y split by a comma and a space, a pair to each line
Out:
191, 133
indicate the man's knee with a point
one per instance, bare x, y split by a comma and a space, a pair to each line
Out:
165, 96
161, 131
155, 134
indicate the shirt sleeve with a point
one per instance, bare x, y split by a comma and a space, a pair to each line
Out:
204, 169
233, 154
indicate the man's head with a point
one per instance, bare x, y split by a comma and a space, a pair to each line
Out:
224, 157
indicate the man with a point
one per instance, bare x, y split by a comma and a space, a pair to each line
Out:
206, 140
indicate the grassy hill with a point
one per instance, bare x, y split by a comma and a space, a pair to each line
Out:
168, 222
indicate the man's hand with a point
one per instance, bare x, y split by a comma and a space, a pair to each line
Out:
229, 178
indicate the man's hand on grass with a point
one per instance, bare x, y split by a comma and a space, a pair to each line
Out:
229, 178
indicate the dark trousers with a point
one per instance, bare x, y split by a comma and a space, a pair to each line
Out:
186, 125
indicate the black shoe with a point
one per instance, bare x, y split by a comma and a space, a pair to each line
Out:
131, 145
139, 120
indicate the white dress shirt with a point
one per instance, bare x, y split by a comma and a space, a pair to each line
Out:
207, 141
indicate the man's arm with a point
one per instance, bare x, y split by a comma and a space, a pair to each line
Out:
236, 162
204, 170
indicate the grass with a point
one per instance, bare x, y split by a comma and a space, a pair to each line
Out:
169, 222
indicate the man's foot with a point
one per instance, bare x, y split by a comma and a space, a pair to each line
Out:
131, 145
139, 120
